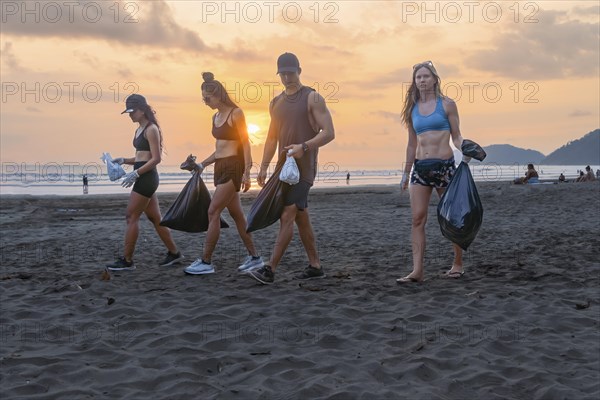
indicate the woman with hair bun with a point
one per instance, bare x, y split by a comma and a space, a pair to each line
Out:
148, 145
233, 160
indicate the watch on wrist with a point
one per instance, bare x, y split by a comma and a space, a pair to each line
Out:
304, 147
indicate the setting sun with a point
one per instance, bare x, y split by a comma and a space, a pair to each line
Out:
253, 129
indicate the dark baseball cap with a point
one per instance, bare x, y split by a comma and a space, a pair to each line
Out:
134, 102
288, 62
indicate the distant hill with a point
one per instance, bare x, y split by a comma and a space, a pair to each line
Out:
584, 151
505, 154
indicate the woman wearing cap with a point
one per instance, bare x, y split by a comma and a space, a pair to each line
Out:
233, 160
144, 178
432, 121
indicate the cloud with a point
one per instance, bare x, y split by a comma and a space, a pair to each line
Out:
86, 58
591, 11
396, 117
149, 23
9, 58
580, 113
555, 47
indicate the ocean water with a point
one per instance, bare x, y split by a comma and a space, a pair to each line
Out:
66, 179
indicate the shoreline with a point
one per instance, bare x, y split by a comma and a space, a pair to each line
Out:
255, 189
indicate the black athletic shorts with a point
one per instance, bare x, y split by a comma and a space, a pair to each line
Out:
296, 194
229, 169
147, 183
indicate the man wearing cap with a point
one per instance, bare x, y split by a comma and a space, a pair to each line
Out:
301, 123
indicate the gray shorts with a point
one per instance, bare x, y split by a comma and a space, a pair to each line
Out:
296, 194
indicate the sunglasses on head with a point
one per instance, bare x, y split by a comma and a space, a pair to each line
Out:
422, 64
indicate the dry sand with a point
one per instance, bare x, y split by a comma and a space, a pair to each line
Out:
522, 323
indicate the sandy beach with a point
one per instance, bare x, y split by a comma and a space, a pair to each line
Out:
522, 323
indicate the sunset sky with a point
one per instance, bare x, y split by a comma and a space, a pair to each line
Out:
523, 73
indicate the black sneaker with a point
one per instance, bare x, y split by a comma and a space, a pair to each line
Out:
311, 272
171, 259
264, 275
121, 265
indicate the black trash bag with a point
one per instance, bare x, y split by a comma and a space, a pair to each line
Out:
268, 205
189, 211
471, 149
459, 211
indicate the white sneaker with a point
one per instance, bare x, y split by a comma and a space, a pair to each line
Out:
199, 267
251, 263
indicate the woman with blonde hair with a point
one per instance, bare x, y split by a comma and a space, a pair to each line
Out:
432, 121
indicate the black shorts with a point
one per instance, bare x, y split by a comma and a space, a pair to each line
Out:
433, 172
147, 183
296, 194
229, 169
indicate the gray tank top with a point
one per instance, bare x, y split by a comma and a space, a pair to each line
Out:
289, 116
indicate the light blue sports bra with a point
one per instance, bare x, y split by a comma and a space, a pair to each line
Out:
436, 121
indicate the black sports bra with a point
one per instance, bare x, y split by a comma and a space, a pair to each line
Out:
140, 142
225, 132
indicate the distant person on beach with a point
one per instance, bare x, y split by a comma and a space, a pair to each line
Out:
531, 176
598, 174
85, 184
348, 177
562, 178
581, 177
148, 143
432, 121
300, 122
233, 160
589, 175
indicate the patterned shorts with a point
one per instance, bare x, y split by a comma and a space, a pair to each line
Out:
433, 172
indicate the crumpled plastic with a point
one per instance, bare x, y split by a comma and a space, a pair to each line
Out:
290, 173
471, 149
115, 170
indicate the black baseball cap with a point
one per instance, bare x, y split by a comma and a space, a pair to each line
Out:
134, 102
288, 62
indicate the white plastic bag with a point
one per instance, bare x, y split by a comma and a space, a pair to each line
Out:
115, 171
290, 173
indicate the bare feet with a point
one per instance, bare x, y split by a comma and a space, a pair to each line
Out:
410, 278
